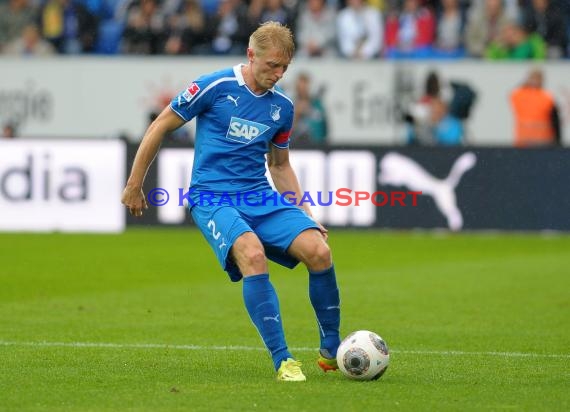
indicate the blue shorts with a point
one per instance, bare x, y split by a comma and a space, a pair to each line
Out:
275, 222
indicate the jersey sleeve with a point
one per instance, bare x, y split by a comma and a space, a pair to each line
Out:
193, 100
282, 137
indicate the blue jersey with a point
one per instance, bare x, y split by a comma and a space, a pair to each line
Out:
234, 128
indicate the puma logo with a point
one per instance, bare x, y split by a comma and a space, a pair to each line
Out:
233, 99
399, 170
274, 318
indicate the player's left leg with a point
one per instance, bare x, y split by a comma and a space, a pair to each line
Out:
310, 248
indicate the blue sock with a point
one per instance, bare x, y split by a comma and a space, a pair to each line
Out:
324, 295
263, 308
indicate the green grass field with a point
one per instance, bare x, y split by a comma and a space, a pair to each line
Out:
147, 321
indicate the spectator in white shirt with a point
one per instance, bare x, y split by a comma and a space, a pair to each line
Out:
360, 31
316, 30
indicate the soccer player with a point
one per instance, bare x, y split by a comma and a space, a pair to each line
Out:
242, 116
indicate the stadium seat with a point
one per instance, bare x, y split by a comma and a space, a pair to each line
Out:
110, 33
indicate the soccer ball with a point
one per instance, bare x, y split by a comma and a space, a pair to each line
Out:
363, 355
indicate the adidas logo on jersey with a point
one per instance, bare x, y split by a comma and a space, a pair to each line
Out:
245, 131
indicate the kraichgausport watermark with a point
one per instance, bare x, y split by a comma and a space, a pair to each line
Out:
339, 197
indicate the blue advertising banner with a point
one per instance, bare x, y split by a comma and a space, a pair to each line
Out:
401, 188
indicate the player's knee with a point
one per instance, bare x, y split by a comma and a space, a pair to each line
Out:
320, 257
254, 257
323, 254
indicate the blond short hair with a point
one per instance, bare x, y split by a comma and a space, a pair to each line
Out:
272, 34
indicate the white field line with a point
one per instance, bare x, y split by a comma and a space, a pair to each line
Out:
255, 348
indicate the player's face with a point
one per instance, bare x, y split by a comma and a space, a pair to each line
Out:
268, 68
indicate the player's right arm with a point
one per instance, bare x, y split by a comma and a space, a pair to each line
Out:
133, 196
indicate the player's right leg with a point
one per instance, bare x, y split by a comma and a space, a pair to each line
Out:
241, 254
301, 240
262, 304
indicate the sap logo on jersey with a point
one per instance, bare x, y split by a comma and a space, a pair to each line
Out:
245, 131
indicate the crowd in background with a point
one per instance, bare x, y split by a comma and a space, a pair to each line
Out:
353, 29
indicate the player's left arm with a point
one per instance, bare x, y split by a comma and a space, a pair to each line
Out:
285, 179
